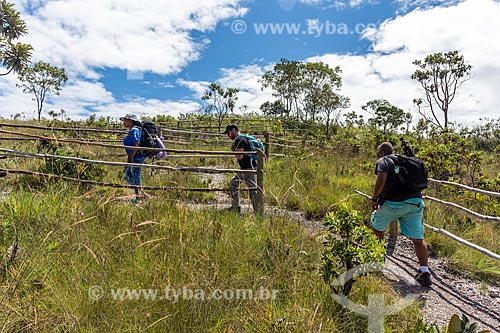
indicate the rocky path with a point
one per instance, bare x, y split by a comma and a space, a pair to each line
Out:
450, 293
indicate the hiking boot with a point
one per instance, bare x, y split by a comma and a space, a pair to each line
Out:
145, 196
424, 278
236, 209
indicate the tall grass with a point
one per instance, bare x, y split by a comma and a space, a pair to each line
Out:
72, 238
69, 243
316, 182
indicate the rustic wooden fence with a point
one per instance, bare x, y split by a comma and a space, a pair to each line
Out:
175, 152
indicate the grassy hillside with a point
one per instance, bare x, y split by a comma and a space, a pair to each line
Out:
90, 261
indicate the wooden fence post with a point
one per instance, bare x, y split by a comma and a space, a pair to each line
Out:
267, 143
260, 182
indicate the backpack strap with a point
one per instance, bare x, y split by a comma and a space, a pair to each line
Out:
390, 163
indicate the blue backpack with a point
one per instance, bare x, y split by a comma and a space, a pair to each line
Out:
255, 144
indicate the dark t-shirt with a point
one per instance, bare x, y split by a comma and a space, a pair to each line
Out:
384, 166
246, 162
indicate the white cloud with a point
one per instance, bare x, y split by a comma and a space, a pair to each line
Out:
80, 99
137, 36
469, 27
406, 5
244, 78
146, 107
146, 35
198, 87
385, 73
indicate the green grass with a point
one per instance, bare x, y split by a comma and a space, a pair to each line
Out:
316, 182
69, 243
73, 237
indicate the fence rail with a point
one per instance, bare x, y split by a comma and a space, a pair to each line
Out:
472, 189
106, 184
169, 150
152, 166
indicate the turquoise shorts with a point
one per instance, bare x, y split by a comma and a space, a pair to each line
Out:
408, 212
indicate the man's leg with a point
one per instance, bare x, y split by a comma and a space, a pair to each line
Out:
421, 252
250, 180
379, 234
423, 276
235, 193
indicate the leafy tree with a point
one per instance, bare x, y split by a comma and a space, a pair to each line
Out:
304, 91
408, 117
40, 80
273, 109
221, 101
320, 86
386, 117
352, 119
449, 155
13, 56
440, 75
332, 103
285, 80
53, 114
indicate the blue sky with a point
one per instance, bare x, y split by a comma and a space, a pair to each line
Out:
158, 56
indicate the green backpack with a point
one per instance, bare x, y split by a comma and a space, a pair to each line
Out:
255, 144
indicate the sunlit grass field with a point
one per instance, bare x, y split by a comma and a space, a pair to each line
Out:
82, 247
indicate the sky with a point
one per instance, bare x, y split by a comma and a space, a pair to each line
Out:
154, 57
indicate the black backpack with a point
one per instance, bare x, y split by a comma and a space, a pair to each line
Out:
407, 177
149, 135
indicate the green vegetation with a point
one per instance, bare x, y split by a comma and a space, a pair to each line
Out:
349, 244
71, 242
40, 80
13, 56
72, 237
463, 325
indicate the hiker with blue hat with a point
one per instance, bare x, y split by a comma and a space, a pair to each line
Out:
132, 174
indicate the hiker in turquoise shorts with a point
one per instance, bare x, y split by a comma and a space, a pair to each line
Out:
408, 209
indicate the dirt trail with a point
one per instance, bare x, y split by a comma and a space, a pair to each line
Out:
450, 292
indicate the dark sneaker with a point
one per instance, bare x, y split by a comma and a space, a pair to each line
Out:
424, 278
236, 209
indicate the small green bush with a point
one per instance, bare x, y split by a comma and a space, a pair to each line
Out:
349, 244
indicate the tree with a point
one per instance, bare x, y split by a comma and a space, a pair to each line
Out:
221, 101
408, 117
13, 56
273, 109
331, 104
440, 75
285, 80
40, 80
321, 84
304, 90
386, 117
